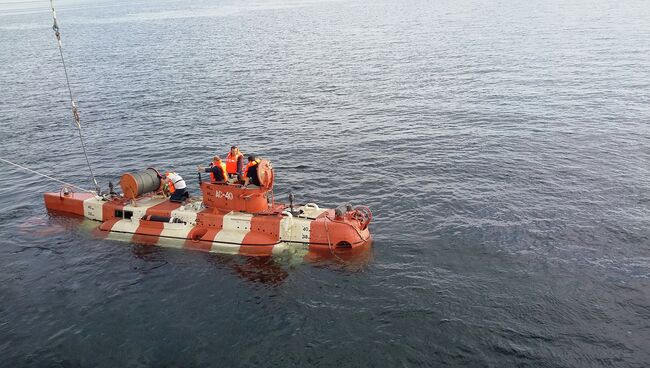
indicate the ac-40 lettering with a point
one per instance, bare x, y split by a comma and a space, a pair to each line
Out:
226, 195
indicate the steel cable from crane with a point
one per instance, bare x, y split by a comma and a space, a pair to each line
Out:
75, 111
45, 176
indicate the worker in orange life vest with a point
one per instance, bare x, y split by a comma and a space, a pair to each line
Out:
177, 187
250, 172
217, 170
235, 163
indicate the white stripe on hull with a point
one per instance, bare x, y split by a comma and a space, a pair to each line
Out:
235, 227
175, 234
186, 215
123, 230
93, 208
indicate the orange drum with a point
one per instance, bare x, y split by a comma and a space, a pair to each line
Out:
136, 184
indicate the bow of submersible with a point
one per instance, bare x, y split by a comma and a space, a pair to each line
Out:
227, 218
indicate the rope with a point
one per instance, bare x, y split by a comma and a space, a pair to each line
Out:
75, 111
350, 225
329, 244
45, 176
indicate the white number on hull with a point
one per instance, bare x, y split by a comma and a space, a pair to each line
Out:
220, 194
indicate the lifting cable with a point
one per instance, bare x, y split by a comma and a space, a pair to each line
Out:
75, 111
45, 176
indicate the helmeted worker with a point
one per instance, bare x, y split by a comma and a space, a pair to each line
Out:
217, 170
235, 162
177, 187
250, 172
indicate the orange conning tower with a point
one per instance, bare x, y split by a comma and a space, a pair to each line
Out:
233, 197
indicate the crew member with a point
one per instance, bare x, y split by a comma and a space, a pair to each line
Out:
217, 170
250, 172
235, 162
177, 187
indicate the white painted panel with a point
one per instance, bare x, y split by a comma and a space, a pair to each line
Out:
93, 208
295, 229
185, 214
235, 227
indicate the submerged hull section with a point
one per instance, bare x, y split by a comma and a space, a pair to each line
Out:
155, 220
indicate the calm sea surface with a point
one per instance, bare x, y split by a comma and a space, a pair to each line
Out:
503, 146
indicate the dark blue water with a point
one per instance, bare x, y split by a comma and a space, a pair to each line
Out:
504, 148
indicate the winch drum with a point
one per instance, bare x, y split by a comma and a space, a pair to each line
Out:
138, 183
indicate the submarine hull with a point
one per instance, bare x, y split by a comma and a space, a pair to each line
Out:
153, 219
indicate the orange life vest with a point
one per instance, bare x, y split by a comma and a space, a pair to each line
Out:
223, 172
171, 176
170, 184
231, 162
251, 164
